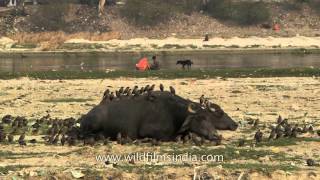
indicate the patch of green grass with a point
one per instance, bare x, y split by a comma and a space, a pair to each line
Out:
264, 168
308, 139
65, 100
25, 46
287, 141
72, 46
230, 153
146, 168
212, 46
301, 51
14, 155
168, 74
234, 46
248, 130
279, 142
3, 93
23, 155
255, 46
155, 46
193, 46
173, 46
274, 87
76, 151
6, 169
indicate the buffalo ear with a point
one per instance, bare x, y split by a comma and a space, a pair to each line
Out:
191, 109
186, 124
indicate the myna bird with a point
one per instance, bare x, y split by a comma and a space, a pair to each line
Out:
121, 90
258, 136
63, 139
146, 88
272, 134
202, 100
311, 162
172, 90
10, 138
161, 87
241, 142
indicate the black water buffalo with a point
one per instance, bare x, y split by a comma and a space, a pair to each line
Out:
160, 115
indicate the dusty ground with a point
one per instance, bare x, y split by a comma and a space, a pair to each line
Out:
243, 99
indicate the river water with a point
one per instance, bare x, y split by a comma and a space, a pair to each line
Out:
127, 61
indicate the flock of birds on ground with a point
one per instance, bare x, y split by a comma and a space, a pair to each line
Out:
67, 131
283, 129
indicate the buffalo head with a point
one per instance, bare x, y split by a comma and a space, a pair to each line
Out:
205, 121
220, 119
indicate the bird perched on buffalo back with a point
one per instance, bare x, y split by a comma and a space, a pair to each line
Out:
172, 90
258, 136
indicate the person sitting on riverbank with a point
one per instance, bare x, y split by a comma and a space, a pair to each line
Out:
206, 37
155, 64
144, 65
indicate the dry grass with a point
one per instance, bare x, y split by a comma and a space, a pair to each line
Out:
52, 40
243, 99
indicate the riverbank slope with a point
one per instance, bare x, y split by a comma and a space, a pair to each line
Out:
168, 44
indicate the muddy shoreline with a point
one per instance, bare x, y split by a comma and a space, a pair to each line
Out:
91, 52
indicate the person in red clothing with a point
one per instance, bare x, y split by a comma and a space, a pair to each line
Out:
143, 64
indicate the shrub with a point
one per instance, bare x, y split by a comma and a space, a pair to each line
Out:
185, 6
220, 9
315, 5
89, 2
153, 12
294, 5
249, 13
244, 13
50, 17
146, 13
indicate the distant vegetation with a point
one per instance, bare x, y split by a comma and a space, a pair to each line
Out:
243, 13
147, 13
89, 2
144, 13
316, 5
153, 12
50, 17
168, 74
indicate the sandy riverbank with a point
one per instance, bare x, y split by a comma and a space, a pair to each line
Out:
171, 43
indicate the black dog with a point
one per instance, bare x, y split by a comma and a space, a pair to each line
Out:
184, 63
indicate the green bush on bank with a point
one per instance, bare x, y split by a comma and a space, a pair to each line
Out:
146, 13
51, 16
153, 12
243, 13
250, 13
89, 2
315, 5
